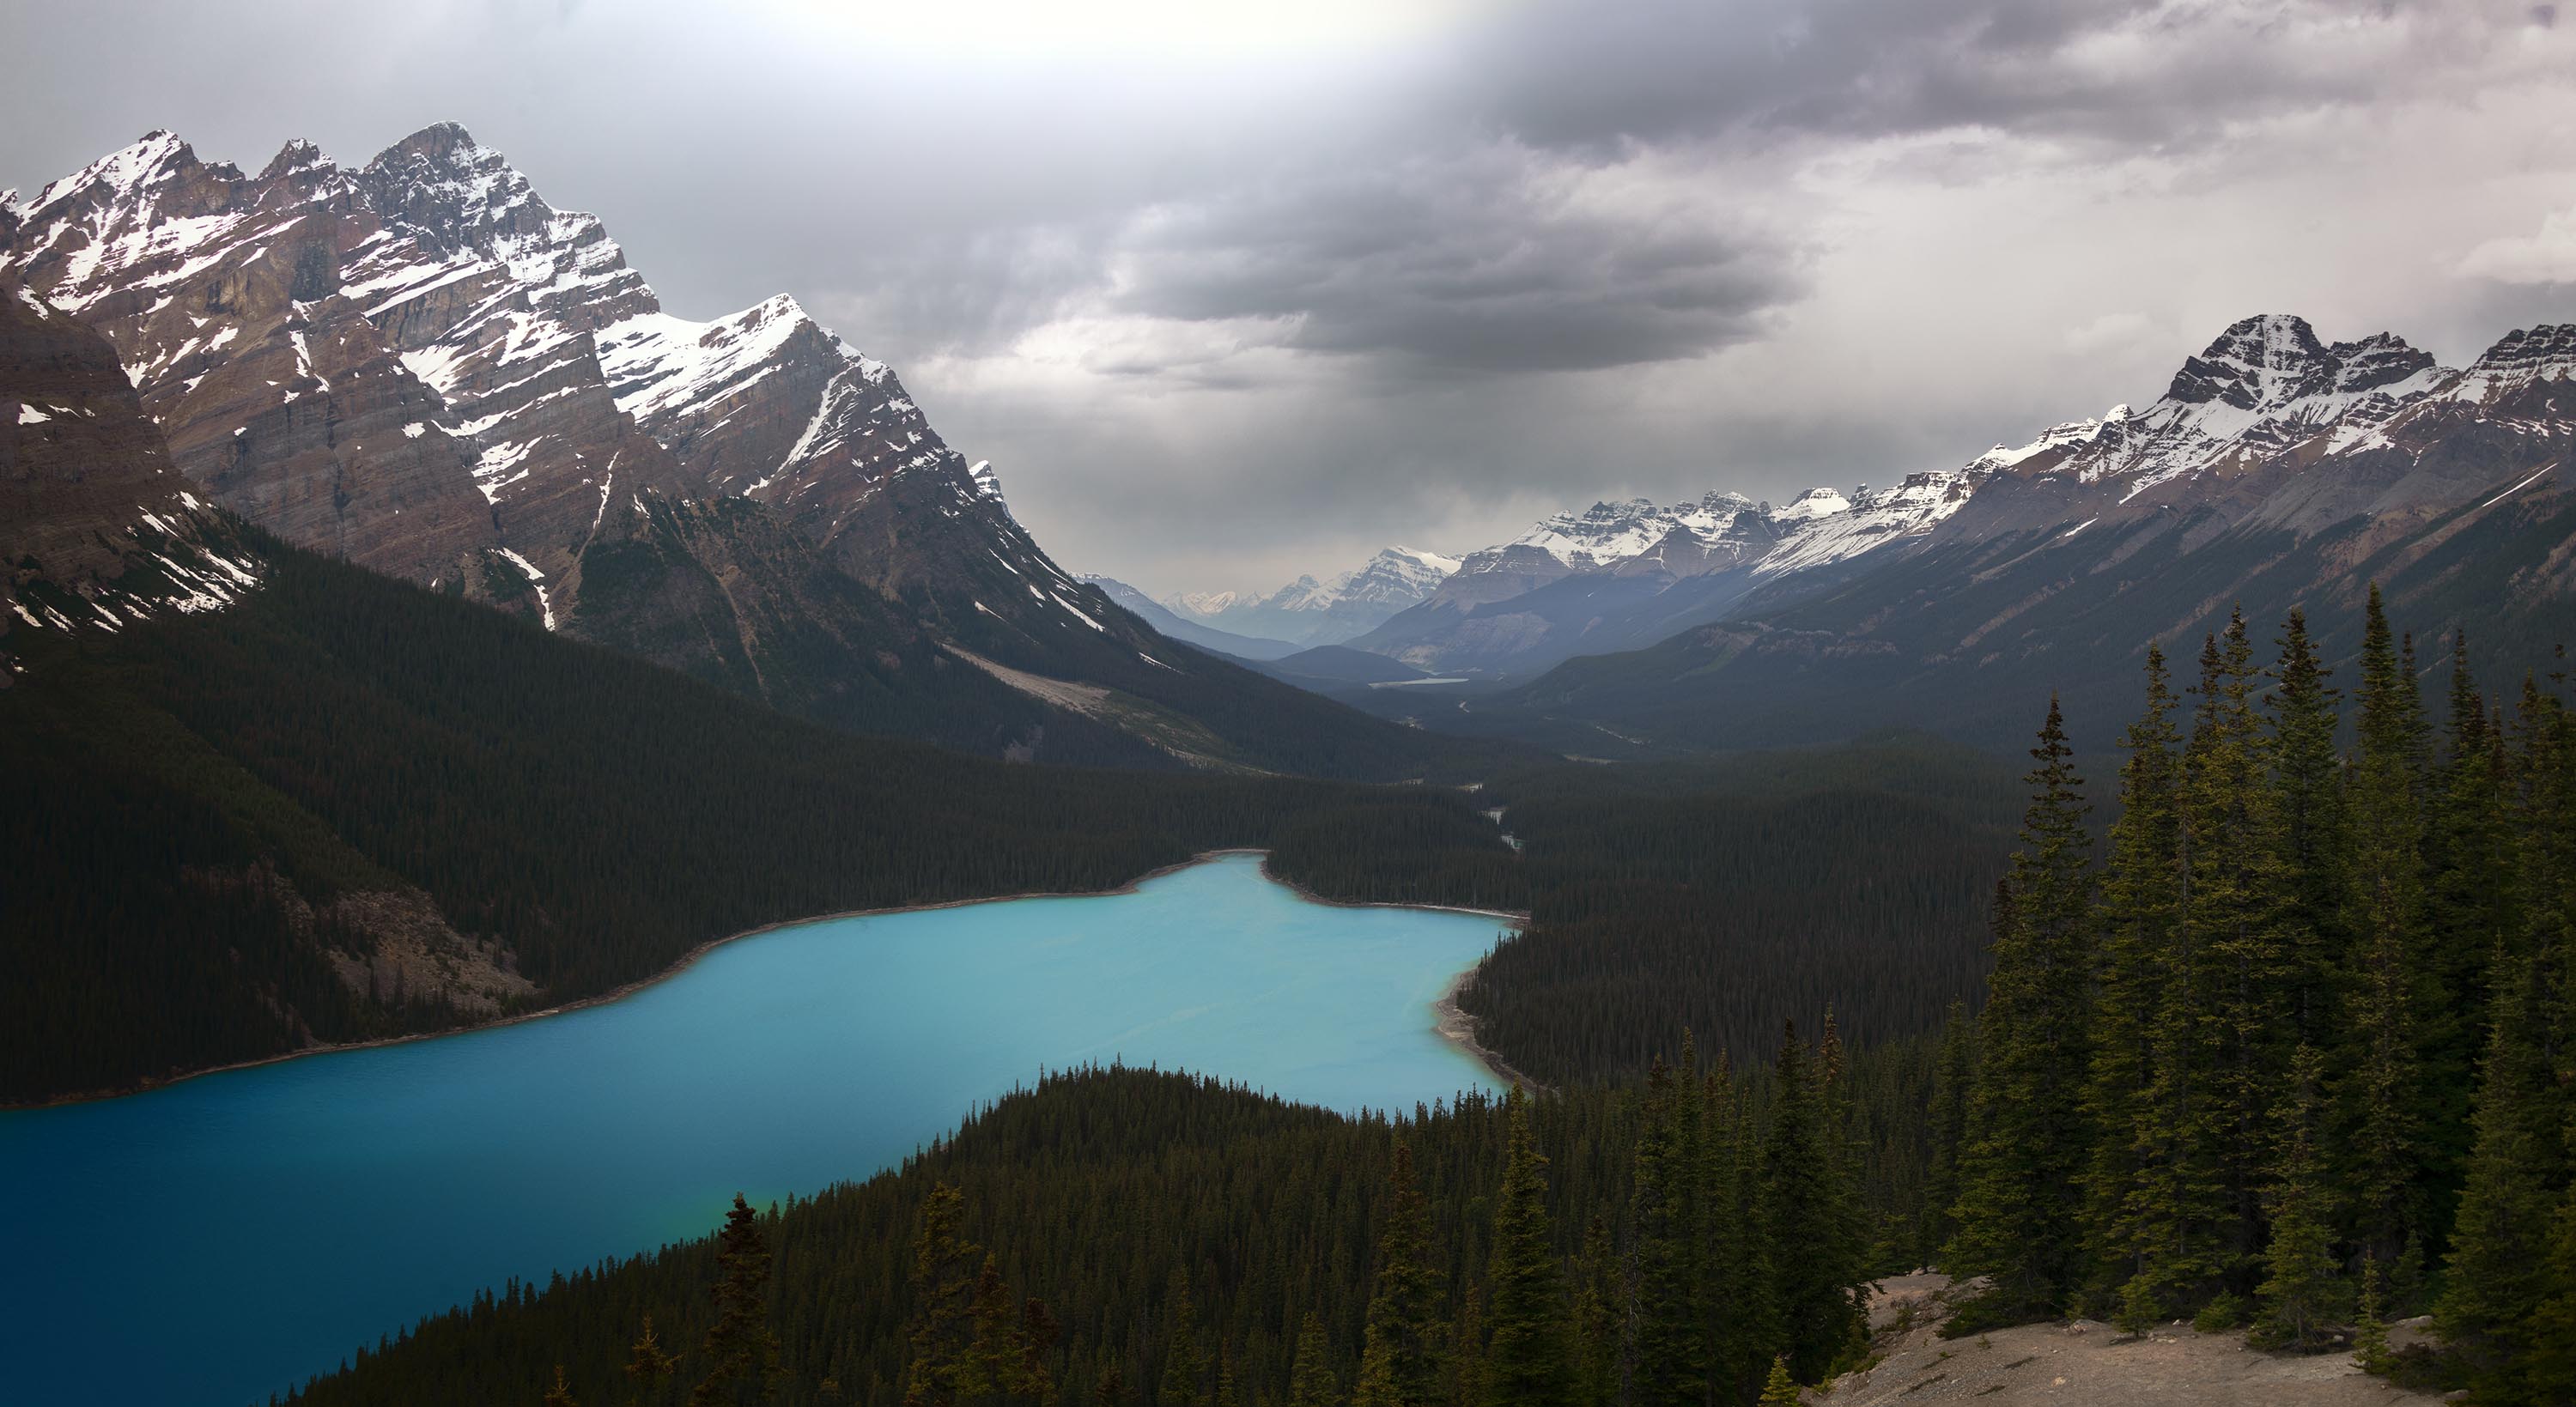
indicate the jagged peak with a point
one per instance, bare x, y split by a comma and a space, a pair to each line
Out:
2542, 348
442, 142
297, 155
127, 169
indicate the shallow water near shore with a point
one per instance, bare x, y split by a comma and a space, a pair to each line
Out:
226, 1237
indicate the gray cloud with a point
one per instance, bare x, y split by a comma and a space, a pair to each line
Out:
1231, 313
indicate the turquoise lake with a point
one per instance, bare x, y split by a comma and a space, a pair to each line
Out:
227, 1237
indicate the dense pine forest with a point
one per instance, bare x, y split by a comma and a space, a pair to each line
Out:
1124, 1237
1727, 895
2294, 1051
2284, 1047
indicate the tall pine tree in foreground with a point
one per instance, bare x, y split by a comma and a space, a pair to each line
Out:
741, 1351
1400, 1358
1525, 1359
2028, 1141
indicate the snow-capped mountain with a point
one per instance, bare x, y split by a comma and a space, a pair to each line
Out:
422, 365
2277, 471
1307, 612
2265, 395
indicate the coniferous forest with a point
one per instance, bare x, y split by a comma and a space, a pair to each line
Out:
2282, 1046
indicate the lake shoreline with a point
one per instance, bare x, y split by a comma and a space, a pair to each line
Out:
1464, 1042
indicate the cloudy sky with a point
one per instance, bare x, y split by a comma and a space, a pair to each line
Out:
1231, 292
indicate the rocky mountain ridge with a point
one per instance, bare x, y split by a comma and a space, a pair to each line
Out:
421, 365
2237, 433
2277, 471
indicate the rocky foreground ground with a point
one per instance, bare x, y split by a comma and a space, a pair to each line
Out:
2088, 1362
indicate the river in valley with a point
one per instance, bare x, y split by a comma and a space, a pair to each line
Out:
224, 1238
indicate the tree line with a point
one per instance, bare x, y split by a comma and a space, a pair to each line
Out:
2293, 1049
1117, 1236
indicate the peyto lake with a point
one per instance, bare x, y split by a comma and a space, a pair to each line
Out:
226, 1237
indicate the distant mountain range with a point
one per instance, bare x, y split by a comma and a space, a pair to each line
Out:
2277, 470
1306, 613
420, 365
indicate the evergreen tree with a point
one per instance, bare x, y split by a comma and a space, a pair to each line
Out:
2308, 812
560, 1395
2501, 1247
1185, 1366
1670, 1254
2382, 1104
2370, 1349
740, 1349
1400, 1359
2140, 907
944, 1271
1745, 1306
1780, 1390
1525, 1359
1954, 1075
1311, 1380
1813, 1226
647, 1366
2301, 1292
2236, 912
1595, 1327
1111, 1389
2028, 1144
1465, 1361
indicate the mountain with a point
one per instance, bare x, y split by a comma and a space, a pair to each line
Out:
1308, 613
1188, 632
422, 366
2276, 471
1622, 575
98, 530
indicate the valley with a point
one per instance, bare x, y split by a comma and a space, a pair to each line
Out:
569, 845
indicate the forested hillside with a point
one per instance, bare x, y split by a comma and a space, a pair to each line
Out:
347, 808
1155, 1238
1726, 895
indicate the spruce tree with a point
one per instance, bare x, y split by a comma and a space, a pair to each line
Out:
2301, 1293
1598, 1303
647, 1366
560, 1395
1525, 1357
740, 1349
2370, 1351
2029, 1142
1671, 1269
2381, 1102
1780, 1390
1311, 1381
1185, 1366
1954, 1074
941, 1333
2308, 812
1813, 1222
1400, 1358
2501, 1246
2140, 906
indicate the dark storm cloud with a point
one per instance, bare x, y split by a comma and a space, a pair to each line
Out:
2123, 71
1484, 263
1510, 258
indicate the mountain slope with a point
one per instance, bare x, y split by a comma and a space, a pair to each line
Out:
1189, 632
421, 365
2278, 471
97, 530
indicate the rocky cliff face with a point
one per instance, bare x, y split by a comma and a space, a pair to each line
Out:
97, 529
422, 365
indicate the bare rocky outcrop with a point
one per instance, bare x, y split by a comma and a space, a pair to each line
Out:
2086, 1361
